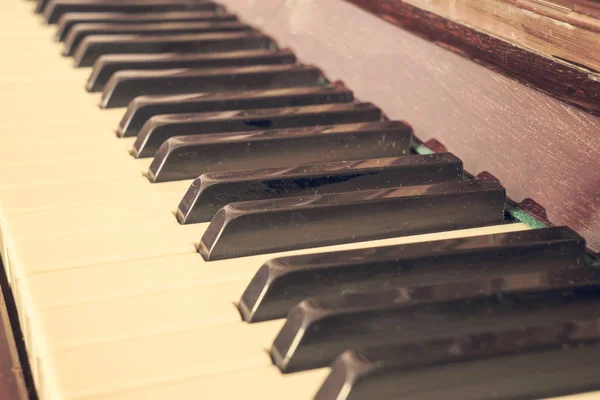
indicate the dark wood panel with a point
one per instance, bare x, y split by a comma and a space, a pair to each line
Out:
560, 79
536, 145
552, 30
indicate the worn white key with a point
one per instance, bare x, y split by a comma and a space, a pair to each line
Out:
264, 383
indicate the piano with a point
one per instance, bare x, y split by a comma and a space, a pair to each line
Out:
299, 199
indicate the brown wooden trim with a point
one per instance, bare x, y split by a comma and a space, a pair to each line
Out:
12, 378
577, 13
587, 7
560, 79
542, 27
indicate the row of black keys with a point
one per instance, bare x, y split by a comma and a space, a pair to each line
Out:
292, 122
417, 313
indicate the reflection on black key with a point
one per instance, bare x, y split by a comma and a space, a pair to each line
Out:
108, 64
54, 9
124, 86
214, 190
142, 108
81, 31
320, 328
491, 365
266, 226
67, 21
230, 151
162, 127
533, 256
94, 46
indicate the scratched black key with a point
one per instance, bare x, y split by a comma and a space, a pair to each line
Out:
229, 151
124, 86
564, 354
95, 46
267, 226
81, 31
108, 64
320, 328
54, 9
534, 256
214, 190
142, 108
67, 21
162, 127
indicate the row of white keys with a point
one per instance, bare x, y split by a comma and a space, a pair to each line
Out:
185, 321
63, 170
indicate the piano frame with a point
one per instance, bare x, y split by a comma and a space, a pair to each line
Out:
440, 46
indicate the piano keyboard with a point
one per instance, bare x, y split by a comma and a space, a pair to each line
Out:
155, 251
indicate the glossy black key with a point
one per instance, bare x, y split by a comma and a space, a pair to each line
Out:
534, 256
95, 46
67, 21
108, 64
81, 31
230, 151
214, 190
320, 328
124, 86
502, 360
54, 9
162, 127
267, 226
142, 108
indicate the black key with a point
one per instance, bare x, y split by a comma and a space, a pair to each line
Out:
67, 21
81, 31
94, 46
108, 64
535, 254
54, 9
214, 190
267, 226
142, 108
162, 127
491, 365
320, 328
230, 151
124, 86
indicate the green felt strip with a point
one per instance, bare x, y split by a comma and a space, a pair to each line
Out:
420, 149
514, 212
525, 218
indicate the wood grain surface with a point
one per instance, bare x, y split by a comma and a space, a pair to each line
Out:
551, 30
553, 75
539, 147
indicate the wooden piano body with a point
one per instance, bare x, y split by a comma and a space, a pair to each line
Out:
462, 88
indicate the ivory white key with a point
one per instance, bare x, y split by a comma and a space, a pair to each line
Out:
59, 172
268, 384
39, 150
90, 217
21, 199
